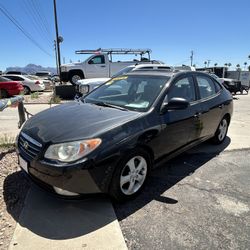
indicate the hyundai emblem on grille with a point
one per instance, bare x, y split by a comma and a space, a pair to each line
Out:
26, 145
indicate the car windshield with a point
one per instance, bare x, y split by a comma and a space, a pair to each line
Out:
128, 92
123, 71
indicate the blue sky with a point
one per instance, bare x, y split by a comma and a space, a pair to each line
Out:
217, 30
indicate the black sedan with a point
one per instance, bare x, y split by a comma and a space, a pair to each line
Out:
110, 140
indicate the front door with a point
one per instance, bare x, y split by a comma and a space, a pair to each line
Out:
178, 125
97, 67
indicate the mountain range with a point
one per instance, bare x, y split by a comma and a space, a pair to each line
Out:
32, 69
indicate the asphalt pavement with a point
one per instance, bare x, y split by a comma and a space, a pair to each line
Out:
200, 199
196, 201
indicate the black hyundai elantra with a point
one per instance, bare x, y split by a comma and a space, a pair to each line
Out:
109, 141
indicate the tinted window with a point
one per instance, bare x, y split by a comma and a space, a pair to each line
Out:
206, 86
97, 60
3, 79
183, 88
217, 86
15, 78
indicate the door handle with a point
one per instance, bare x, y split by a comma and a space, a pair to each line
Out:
221, 106
102, 66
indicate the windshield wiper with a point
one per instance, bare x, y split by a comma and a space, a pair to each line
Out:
105, 104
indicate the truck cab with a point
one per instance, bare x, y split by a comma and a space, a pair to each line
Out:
100, 64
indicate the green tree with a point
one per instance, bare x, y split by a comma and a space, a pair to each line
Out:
229, 64
205, 63
215, 65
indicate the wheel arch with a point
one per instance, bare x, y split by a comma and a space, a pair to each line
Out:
76, 71
228, 117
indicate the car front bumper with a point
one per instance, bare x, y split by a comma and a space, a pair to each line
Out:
80, 178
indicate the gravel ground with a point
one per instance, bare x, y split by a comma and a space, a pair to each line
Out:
43, 97
13, 187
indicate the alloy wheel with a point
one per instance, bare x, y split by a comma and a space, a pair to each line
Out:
222, 130
133, 175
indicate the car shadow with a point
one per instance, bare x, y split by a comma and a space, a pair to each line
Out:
51, 217
169, 174
55, 218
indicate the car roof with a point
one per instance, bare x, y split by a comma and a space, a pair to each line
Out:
166, 73
151, 73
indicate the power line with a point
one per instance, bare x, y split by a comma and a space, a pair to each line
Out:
40, 18
36, 23
46, 23
15, 22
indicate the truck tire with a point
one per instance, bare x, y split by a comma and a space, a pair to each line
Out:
75, 76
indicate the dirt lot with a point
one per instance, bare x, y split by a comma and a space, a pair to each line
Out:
13, 189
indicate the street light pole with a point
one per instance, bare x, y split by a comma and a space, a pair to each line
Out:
57, 43
191, 57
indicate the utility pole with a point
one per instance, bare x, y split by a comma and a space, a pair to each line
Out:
57, 43
56, 57
192, 57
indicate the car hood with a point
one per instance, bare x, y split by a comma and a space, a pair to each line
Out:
75, 121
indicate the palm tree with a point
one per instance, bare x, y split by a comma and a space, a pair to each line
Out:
245, 65
229, 65
238, 67
249, 57
215, 65
205, 64
226, 64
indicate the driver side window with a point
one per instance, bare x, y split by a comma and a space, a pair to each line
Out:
183, 88
97, 60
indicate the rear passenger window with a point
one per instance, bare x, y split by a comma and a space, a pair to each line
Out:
217, 86
183, 88
206, 86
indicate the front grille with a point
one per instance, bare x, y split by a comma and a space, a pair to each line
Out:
29, 148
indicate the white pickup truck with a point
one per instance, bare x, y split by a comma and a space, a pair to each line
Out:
100, 64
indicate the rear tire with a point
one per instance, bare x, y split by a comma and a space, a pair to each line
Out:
130, 175
26, 90
3, 93
221, 131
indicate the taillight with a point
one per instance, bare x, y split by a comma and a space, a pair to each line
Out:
37, 82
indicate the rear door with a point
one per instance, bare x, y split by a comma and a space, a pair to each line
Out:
96, 67
211, 104
179, 126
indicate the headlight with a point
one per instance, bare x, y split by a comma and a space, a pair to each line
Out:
63, 68
71, 151
84, 89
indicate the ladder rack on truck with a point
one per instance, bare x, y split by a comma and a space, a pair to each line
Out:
118, 51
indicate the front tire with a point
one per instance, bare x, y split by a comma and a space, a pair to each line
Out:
130, 175
74, 77
221, 131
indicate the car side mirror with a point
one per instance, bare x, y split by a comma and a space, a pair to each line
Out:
91, 61
175, 103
